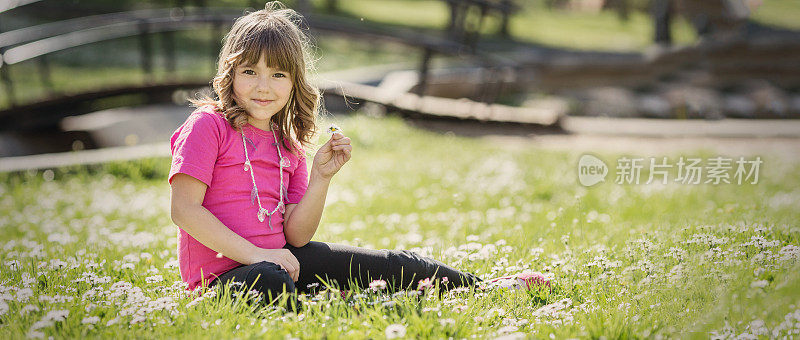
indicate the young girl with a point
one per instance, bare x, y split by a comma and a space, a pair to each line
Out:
246, 205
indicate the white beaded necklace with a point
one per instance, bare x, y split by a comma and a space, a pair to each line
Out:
263, 213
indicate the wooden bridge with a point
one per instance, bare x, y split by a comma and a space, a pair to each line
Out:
38, 42
466, 93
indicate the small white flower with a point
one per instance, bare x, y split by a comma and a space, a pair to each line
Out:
447, 322
395, 331
24, 294
112, 321
171, 264
41, 324
91, 320
57, 264
12, 265
32, 334
154, 279
507, 329
377, 285
27, 309
56, 315
131, 258
758, 271
138, 319
27, 279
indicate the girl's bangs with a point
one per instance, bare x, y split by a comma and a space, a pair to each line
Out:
273, 45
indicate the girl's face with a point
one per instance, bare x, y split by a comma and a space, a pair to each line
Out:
261, 91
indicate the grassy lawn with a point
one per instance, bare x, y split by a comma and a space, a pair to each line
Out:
568, 29
782, 13
91, 251
534, 24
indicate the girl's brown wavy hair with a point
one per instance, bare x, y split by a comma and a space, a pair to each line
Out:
275, 33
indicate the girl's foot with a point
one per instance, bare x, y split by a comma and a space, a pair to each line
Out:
526, 281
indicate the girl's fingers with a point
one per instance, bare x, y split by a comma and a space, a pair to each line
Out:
340, 142
291, 270
296, 264
343, 140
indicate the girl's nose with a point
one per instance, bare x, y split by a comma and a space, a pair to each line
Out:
264, 83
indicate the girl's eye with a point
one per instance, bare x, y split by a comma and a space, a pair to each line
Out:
248, 72
280, 75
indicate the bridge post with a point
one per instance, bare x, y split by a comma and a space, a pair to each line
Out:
44, 74
168, 40
423, 71
458, 15
216, 44
471, 37
506, 13
7, 83
6, 78
146, 50
662, 14
332, 6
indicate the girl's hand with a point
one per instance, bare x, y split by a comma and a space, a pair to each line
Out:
332, 156
281, 257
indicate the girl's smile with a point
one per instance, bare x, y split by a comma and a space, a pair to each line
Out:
263, 102
262, 91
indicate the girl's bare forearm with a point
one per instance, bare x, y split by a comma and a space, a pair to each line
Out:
304, 220
211, 232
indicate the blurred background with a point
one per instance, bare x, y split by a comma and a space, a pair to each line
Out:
90, 74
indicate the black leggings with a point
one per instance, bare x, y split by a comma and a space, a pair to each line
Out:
346, 266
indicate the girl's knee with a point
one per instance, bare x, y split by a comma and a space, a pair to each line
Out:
268, 277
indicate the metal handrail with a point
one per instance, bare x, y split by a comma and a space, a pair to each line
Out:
11, 4
42, 31
92, 35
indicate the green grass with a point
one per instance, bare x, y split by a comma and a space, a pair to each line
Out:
781, 13
631, 261
535, 24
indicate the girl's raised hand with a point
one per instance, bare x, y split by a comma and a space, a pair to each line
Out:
332, 155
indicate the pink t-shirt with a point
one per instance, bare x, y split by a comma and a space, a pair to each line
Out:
207, 148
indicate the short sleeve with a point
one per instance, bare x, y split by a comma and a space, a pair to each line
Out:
195, 146
298, 181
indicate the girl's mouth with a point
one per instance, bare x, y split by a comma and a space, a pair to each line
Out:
262, 102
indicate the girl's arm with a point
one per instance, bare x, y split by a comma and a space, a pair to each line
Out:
302, 219
188, 213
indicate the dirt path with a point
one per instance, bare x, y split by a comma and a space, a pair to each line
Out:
548, 138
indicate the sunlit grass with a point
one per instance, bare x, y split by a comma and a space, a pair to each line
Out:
535, 23
781, 13
628, 261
